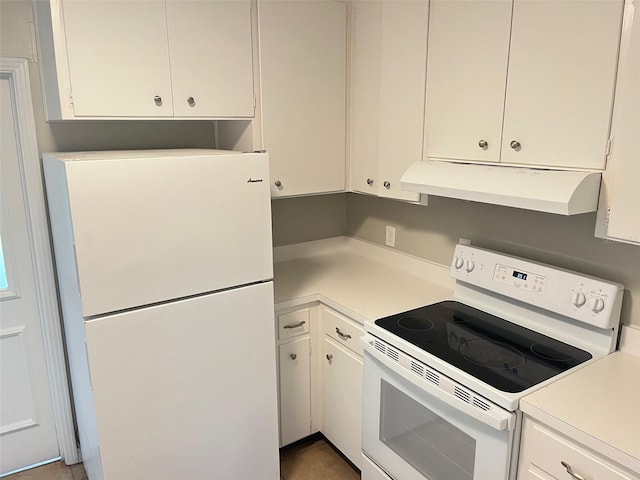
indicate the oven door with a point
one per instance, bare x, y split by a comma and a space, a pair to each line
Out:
419, 424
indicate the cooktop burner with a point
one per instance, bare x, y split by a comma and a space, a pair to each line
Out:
507, 356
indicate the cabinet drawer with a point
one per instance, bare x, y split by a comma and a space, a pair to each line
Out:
544, 450
293, 323
343, 330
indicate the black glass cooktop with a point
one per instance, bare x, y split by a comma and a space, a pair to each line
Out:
507, 356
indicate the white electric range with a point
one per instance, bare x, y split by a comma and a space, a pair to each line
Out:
442, 383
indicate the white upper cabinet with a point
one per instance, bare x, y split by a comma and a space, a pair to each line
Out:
562, 72
387, 75
303, 94
146, 59
466, 75
618, 215
522, 82
211, 57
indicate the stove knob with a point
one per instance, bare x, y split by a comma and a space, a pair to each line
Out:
578, 299
470, 265
597, 304
459, 263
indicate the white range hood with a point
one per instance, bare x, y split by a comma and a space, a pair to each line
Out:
553, 191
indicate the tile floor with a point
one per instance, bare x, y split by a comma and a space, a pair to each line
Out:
312, 459
52, 471
315, 459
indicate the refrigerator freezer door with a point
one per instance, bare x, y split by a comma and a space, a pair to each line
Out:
150, 228
188, 389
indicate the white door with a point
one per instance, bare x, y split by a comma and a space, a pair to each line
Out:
27, 428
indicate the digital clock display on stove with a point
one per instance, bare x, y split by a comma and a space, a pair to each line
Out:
519, 275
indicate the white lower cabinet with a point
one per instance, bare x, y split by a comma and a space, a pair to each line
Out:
549, 455
294, 373
341, 377
320, 377
342, 399
295, 390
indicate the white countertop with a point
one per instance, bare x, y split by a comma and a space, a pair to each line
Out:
362, 280
596, 406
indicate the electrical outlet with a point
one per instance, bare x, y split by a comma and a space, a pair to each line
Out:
390, 236
464, 241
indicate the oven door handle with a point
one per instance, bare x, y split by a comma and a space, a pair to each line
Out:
483, 411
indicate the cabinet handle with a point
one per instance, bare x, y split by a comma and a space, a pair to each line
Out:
387, 185
370, 181
191, 101
277, 183
571, 472
329, 357
293, 356
295, 325
343, 336
158, 100
515, 145
483, 144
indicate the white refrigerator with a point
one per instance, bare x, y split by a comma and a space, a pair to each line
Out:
164, 265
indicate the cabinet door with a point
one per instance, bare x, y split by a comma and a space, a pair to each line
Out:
365, 107
342, 399
303, 77
118, 58
466, 74
620, 192
388, 62
402, 84
295, 391
562, 68
211, 57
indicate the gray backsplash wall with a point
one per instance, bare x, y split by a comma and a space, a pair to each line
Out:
302, 219
431, 232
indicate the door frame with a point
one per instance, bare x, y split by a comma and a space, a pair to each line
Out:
16, 70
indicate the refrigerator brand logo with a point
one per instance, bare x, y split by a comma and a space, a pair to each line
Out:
254, 180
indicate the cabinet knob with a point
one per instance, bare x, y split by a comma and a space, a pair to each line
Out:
573, 474
277, 183
387, 185
293, 356
370, 181
191, 101
483, 144
158, 100
329, 357
515, 145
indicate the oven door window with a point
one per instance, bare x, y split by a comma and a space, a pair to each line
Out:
426, 441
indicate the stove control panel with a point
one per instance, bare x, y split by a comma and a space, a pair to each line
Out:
581, 297
519, 279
